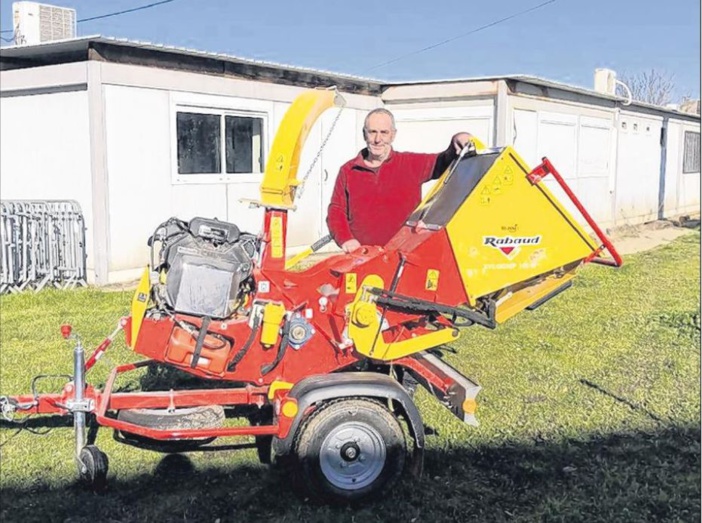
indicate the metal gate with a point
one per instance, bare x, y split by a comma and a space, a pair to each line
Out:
43, 243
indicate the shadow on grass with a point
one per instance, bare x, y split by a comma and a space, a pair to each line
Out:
633, 406
622, 477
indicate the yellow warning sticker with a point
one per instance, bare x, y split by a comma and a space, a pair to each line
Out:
350, 282
508, 176
432, 282
276, 237
485, 196
497, 185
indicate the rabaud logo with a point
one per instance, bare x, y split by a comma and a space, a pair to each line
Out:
510, 245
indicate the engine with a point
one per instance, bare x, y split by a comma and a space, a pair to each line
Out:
204, 266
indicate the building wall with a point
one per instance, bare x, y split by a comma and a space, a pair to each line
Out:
45, 151
681, 191
427, 127
579, 141
104, 134
638, 168
689, 183
145, 189
613, 160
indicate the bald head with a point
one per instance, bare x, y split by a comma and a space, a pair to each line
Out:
379, 111
379, 133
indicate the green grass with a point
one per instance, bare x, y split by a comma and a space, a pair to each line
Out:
590, 411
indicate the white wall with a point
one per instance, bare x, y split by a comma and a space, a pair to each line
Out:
45, 151
145, 190
684, 186
427, 129
137, 134
638, 168
579, 144
689, 195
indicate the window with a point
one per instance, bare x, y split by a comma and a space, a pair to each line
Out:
242, 138
198, 143
691, 153
218, 143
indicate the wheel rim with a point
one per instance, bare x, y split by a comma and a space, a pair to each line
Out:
352, 456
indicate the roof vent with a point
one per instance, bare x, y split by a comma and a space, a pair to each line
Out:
36, 23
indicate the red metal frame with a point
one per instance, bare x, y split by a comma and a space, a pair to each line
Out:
107, 400
546, 168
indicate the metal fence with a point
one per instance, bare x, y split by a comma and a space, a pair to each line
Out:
43, 243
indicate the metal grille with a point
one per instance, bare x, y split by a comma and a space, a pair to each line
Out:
691, 153
43, 243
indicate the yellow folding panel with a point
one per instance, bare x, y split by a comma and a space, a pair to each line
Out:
509, 231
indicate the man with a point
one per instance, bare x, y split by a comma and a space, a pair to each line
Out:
376, 192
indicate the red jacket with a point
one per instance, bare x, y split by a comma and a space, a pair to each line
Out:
371, 205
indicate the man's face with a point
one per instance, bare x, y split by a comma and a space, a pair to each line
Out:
379, 135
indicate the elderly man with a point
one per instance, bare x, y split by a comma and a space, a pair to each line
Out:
375, 192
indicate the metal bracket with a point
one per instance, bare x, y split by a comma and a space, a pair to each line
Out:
86, 405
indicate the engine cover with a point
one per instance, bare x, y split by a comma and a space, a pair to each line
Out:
205, 264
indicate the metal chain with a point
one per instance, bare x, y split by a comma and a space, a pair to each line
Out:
300, 188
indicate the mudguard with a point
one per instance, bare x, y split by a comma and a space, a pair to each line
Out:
324, 387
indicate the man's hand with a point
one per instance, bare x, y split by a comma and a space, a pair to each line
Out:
350, 246
460, 140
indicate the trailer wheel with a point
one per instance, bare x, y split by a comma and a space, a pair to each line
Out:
92, 467
347, 451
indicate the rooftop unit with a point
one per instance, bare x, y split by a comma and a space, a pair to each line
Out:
36, 23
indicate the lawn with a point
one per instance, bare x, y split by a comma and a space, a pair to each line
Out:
590, 411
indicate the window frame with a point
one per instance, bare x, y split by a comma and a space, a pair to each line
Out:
684, 151
221, 177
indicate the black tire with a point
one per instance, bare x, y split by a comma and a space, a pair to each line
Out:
93, 468
330, 447
209, 416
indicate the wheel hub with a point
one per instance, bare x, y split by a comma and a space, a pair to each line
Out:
350, 451
352, 455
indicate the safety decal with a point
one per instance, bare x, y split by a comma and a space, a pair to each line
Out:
264, 286
485, 196
276, 237
432, 282
350, 283
497, 185
510, 245
508, 176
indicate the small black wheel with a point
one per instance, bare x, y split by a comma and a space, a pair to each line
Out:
348, 451
92, 467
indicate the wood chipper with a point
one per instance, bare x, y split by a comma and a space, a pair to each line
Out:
316, 361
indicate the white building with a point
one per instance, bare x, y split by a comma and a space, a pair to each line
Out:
137, 133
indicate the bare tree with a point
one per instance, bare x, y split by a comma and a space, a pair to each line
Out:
653, 87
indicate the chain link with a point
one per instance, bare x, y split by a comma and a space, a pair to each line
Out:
301, 187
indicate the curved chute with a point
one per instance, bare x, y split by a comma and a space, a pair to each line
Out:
280, 178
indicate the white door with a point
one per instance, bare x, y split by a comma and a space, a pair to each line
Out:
638, 169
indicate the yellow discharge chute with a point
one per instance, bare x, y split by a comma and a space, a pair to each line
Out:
280, 179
